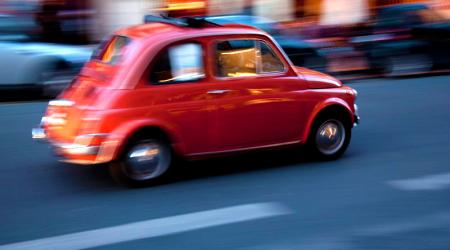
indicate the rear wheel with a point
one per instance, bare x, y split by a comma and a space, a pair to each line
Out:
144, 162
330, 137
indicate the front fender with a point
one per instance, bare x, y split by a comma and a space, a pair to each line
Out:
319, 107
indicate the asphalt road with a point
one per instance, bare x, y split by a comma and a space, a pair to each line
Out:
391, 190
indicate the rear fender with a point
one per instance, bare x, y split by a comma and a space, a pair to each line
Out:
114, 145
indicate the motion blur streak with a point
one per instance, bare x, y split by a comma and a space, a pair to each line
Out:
430, 182
155, 227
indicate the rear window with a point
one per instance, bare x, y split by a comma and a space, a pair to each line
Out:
111, 51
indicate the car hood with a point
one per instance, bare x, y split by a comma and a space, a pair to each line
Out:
317, 80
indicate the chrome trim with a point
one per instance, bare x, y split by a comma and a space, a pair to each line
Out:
355, 124
86, 139
147, 160
330, 137
38, 133
218, 91
247, 148
355, 106
76, 149
61, 103
82, 162
356, 115
94, 135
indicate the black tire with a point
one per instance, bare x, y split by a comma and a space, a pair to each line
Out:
144, 162
336, 147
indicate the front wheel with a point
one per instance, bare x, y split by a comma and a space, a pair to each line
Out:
330, 137
143, 163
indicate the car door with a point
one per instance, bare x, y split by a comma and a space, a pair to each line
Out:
257, 98
180, 91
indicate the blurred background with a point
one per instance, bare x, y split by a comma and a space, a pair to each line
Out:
51, 39
389, 191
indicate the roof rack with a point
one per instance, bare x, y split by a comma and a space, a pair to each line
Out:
190, 22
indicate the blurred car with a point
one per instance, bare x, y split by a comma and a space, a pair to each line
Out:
193, 89
46, 20
44, 69
17, 20
407, 39
300, 52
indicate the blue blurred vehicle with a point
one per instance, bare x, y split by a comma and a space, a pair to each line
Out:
407, 39
300, 52
17, 20
32, 63
46, 20
39, 68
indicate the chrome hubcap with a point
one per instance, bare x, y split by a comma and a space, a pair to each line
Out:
147, 160
330, 137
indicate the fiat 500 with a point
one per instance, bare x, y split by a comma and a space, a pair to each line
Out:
162, 89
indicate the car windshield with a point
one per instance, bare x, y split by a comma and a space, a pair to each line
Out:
111, 51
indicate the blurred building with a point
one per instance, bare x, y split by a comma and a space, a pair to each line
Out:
98, 18
113, 14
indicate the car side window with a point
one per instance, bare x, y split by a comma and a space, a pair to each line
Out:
238, 58
111, 50
179, 63
270, 63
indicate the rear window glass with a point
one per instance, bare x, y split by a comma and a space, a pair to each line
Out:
179, 63
111, 51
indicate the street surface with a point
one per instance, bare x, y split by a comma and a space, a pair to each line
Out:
391, 190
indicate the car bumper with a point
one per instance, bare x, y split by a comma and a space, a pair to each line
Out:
356, 117
356, 120
38, 134
79, 153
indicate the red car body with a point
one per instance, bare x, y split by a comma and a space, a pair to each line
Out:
109, 103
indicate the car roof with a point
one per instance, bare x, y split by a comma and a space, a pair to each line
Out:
147, 30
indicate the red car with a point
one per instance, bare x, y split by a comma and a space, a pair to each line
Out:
158, 90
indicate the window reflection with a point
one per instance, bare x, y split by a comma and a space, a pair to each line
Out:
178, 64
238, 58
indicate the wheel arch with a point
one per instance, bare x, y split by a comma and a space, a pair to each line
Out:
333, 105
139, 129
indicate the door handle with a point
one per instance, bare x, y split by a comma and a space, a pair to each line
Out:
218, 91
